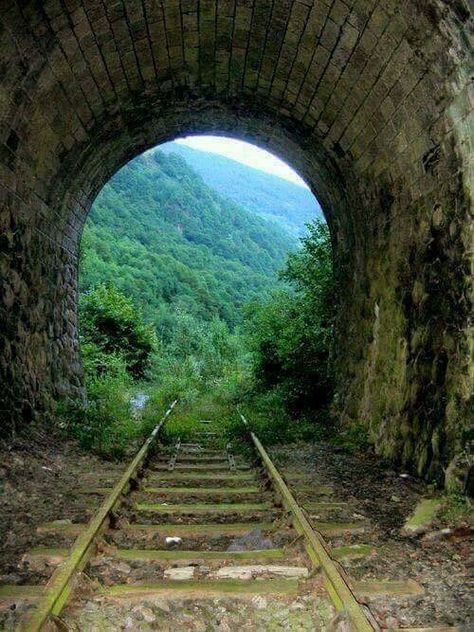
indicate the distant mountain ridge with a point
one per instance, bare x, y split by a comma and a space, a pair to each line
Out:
268, 196
164, 237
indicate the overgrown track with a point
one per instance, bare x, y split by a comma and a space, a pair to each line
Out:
194, 522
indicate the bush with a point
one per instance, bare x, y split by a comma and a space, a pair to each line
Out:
117, 348
268, 418
111, 323
351, 439
291, 332
104, 423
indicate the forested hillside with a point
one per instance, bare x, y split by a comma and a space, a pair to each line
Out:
268, 196
171, 243
185, 294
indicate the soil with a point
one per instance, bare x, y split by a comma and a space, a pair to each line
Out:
381, 499
39, 480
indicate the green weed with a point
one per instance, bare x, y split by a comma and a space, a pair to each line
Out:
351, 439
457, 508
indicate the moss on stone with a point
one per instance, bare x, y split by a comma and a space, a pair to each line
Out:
420, 520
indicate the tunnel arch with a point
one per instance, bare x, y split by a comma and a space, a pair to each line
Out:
370, 101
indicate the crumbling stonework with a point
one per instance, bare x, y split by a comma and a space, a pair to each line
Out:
370, 100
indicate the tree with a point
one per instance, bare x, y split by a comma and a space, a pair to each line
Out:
111, 323
290, 333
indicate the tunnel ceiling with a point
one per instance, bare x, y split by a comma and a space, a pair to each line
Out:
347, 75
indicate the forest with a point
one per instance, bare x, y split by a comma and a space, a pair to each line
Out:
171, 243
289, 205
185, 293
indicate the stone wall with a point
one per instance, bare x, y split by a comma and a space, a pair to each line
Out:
370, 100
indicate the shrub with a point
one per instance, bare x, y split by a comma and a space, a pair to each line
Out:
117, 347
104, 423
290, 333
111, 322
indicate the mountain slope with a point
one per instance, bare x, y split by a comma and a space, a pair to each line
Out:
266, 195
161, 235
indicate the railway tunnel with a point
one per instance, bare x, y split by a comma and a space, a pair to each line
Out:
370, 100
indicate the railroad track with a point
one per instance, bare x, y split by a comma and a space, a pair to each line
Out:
191, 523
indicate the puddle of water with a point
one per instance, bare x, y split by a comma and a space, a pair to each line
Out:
138, 401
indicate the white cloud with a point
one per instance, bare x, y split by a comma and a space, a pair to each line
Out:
245, 153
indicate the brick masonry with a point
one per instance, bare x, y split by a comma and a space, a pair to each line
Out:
371, 100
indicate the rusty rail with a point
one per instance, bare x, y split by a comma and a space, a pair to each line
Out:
339, 590
59, 586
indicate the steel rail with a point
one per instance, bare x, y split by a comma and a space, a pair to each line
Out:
59, 586
339, 590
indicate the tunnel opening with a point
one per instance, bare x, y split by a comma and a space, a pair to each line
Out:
205, 275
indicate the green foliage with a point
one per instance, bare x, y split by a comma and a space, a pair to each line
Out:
202, 361
103, 423
290, 337
218, 405
188, 415
169, 242
290, 333
111, 326
351, 439
270, 197
160, 239
456, 509
310, 269
266, 414
117, 348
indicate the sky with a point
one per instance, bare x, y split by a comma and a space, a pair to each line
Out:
245, 153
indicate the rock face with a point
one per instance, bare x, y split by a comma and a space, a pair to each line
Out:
368, 100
